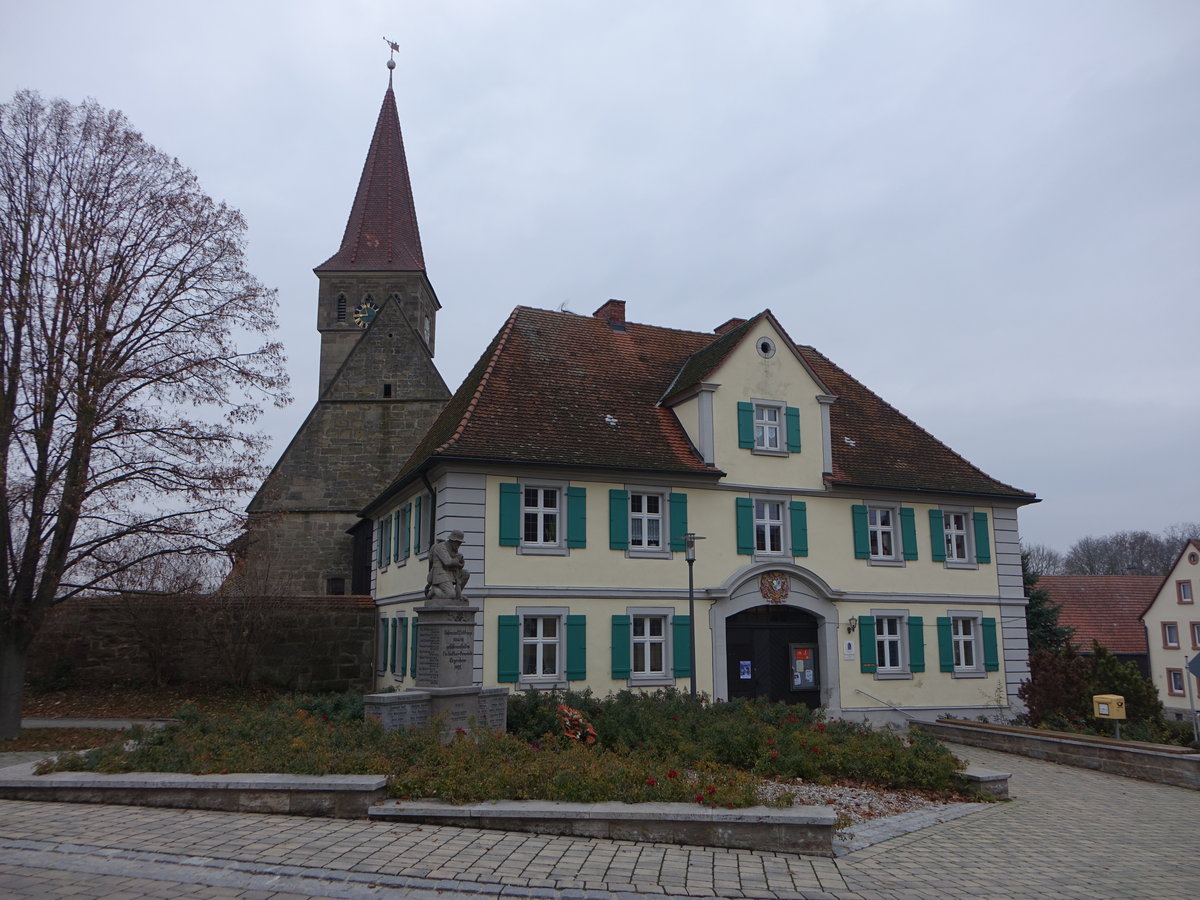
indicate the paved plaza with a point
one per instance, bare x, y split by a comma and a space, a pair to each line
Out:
1068, 833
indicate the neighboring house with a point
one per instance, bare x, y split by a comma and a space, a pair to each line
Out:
1173, 632
849, 559
1106, 609
378, 392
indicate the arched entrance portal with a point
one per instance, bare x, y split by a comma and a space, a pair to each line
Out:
771, 652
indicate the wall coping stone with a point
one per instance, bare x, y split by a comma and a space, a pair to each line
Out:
798, 829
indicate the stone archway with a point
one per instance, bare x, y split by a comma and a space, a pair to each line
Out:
804, 618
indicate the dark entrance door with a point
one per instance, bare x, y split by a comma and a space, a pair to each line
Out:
772, 652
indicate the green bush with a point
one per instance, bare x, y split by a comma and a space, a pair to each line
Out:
773, 740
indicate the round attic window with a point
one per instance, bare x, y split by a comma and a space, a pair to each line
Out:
1194, 557
766, 348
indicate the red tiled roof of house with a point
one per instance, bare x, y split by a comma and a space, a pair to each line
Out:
381, 233
1104, 608
556, 388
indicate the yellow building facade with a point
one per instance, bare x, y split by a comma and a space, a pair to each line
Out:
843, 557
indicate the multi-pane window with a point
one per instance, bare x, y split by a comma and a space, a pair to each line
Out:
768, 526
766, 427
540, 515
1170, 635
963, 631
1184, 590
954, 526
540, 646
649, 645
888, 656
645, 521
881, 531
1175, 682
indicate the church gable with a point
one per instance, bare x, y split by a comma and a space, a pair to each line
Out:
390, 361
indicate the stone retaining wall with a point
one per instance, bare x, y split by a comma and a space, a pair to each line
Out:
1149, 762
299, 643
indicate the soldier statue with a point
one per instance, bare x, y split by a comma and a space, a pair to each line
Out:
447, 571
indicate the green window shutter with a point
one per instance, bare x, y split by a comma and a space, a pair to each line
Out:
618, 520
745, 526
576, 648
418, 531
862, 542
908, 532
916, 644
508, 648
681, 646
620, 646
937, 535
576, 517
866, 644
403, 644
679, 523
983, 545
799, 510
945, 644
395, 629
412, 656
510, 516
379, 544
745, 419
396, 552
792, 414
407, 528
991, 651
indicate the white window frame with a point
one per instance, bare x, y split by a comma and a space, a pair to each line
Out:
645, 518
766, 427
1183, 591
665, 678
876, 532
542, 513
974, 640
768, 525
1167, 629
647, 641
1172, 690
539, 680
902, 670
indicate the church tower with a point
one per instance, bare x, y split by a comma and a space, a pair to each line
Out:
378, 392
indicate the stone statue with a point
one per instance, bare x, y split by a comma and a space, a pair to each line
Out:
447, 571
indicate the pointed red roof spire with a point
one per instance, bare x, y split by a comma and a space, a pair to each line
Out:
381, 233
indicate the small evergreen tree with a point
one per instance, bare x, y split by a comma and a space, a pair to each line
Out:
1058, 691
1111, 676
1041, 614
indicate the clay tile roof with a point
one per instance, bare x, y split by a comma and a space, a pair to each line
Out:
556, 388
875, 445
1104, 608
381, 233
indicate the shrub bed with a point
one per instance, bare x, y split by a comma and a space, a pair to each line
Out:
666, 747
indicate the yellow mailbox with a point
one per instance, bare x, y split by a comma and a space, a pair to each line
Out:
1108, 706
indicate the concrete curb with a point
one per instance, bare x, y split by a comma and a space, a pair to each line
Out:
799, 829
336, 796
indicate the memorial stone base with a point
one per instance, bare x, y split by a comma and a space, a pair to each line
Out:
444, 691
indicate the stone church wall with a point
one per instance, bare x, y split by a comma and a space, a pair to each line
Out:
298, 643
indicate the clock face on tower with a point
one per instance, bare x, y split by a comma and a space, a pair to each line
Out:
364, 313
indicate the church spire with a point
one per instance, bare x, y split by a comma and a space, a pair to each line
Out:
381, 233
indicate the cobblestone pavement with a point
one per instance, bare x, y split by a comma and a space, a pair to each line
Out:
1069, 833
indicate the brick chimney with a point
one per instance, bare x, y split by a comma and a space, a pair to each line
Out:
729, 325
612, 312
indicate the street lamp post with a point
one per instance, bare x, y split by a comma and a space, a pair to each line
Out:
689, 553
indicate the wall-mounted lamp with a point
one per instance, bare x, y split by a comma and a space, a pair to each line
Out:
851, 624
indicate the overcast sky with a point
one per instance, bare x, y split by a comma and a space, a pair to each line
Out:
989, 213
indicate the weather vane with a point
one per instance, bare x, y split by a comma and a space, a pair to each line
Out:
394, 48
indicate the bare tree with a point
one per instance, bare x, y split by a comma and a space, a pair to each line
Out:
124, 392
1041, 559
1123, 553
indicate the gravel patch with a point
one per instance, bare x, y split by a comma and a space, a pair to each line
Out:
853, 804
